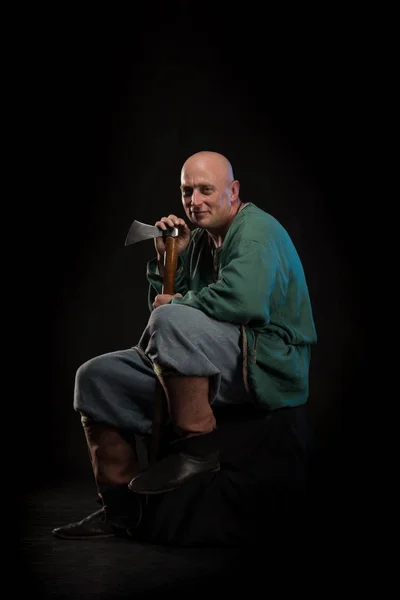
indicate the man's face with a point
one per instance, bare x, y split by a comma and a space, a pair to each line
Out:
207, 194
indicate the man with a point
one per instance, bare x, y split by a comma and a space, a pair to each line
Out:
238, 330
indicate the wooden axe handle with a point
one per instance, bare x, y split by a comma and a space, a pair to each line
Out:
160, 407
170, 263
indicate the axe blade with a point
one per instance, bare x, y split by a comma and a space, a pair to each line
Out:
141, 231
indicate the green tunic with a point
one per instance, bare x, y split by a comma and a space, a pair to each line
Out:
255, 280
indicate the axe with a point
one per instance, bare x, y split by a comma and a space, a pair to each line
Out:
139, 232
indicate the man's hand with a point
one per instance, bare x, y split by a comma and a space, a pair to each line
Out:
161, 299
181, 241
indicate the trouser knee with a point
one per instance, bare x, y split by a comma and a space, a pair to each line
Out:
91, 370
171, 317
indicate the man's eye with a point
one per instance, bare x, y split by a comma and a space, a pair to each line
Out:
187, 192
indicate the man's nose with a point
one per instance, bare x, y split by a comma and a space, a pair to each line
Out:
196, 198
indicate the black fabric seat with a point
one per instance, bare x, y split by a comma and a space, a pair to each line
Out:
260, 490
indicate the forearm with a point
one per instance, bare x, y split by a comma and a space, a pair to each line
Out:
242, 293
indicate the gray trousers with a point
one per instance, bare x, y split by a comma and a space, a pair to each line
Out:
118, 388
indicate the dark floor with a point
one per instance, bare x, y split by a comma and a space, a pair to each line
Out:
117, 568
112, 568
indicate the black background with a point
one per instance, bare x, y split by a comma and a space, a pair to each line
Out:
114, 104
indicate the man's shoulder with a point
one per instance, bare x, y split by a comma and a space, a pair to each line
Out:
256, 219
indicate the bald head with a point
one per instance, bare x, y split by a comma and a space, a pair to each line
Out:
210, 162
210, 193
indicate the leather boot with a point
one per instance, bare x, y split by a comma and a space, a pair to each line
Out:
120, 516
114, 463
112, 453
186, 458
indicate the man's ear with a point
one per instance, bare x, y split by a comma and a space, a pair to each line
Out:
235, 188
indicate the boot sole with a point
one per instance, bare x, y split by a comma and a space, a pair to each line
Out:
84, 537
164, 491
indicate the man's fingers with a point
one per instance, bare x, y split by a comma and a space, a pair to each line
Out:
171, 221
164, 223
160, 224
174, 220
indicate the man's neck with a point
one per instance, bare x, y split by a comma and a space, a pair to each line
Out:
217, 238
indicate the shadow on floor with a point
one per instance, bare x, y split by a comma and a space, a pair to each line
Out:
112, 568
118, 568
